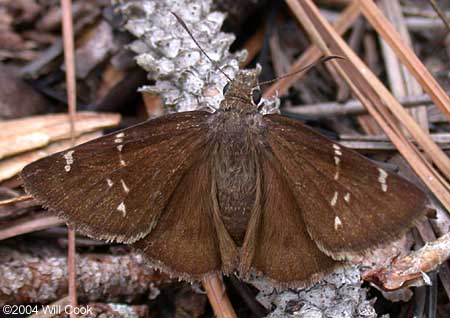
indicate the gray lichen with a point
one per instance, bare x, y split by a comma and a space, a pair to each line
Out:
185, 78
338, 295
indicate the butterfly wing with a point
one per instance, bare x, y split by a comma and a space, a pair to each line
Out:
277, 245
348, 203
184, 242
116, 187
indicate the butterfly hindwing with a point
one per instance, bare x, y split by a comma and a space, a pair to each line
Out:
184, 242
348, 203
116, 187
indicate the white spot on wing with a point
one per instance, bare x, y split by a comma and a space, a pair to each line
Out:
119, 138
119, 147
336, 175
109, 182
347, 197
337, 160
124, 186
334, 199
337, 223
122, 162
122, 208
69, 159
382, 179
337, 150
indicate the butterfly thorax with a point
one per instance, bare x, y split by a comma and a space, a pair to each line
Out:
238, 93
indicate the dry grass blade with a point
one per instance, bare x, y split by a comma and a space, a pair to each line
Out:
375, 98
345, 21
215, 289
406, 55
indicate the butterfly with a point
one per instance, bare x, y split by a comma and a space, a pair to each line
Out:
233, 191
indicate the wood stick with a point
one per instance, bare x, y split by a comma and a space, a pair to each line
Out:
102, 278
69, 58
440, 13
352, 107
412, 268
27, 225
215, 289
11, 201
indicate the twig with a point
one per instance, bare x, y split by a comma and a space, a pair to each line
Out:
28, 279
440, 14
412, 268
352, 107
427, 234
16, 200
69, 58
381, 142
215, 289
28, 225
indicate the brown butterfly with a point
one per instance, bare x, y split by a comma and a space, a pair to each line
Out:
229, 191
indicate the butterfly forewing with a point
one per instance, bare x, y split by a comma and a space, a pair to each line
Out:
115, 187
348, 203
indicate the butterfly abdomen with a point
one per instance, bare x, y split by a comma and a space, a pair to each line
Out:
236, 172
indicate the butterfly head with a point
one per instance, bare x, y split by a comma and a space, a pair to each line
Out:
243, 92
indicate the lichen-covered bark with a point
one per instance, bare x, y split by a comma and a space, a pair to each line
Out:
100, 278
338, 295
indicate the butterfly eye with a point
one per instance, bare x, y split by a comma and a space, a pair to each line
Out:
226, 88
256, 96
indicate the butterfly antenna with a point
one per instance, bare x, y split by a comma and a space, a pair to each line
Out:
183, 24
306, 68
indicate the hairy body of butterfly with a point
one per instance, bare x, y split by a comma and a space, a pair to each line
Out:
235, 190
